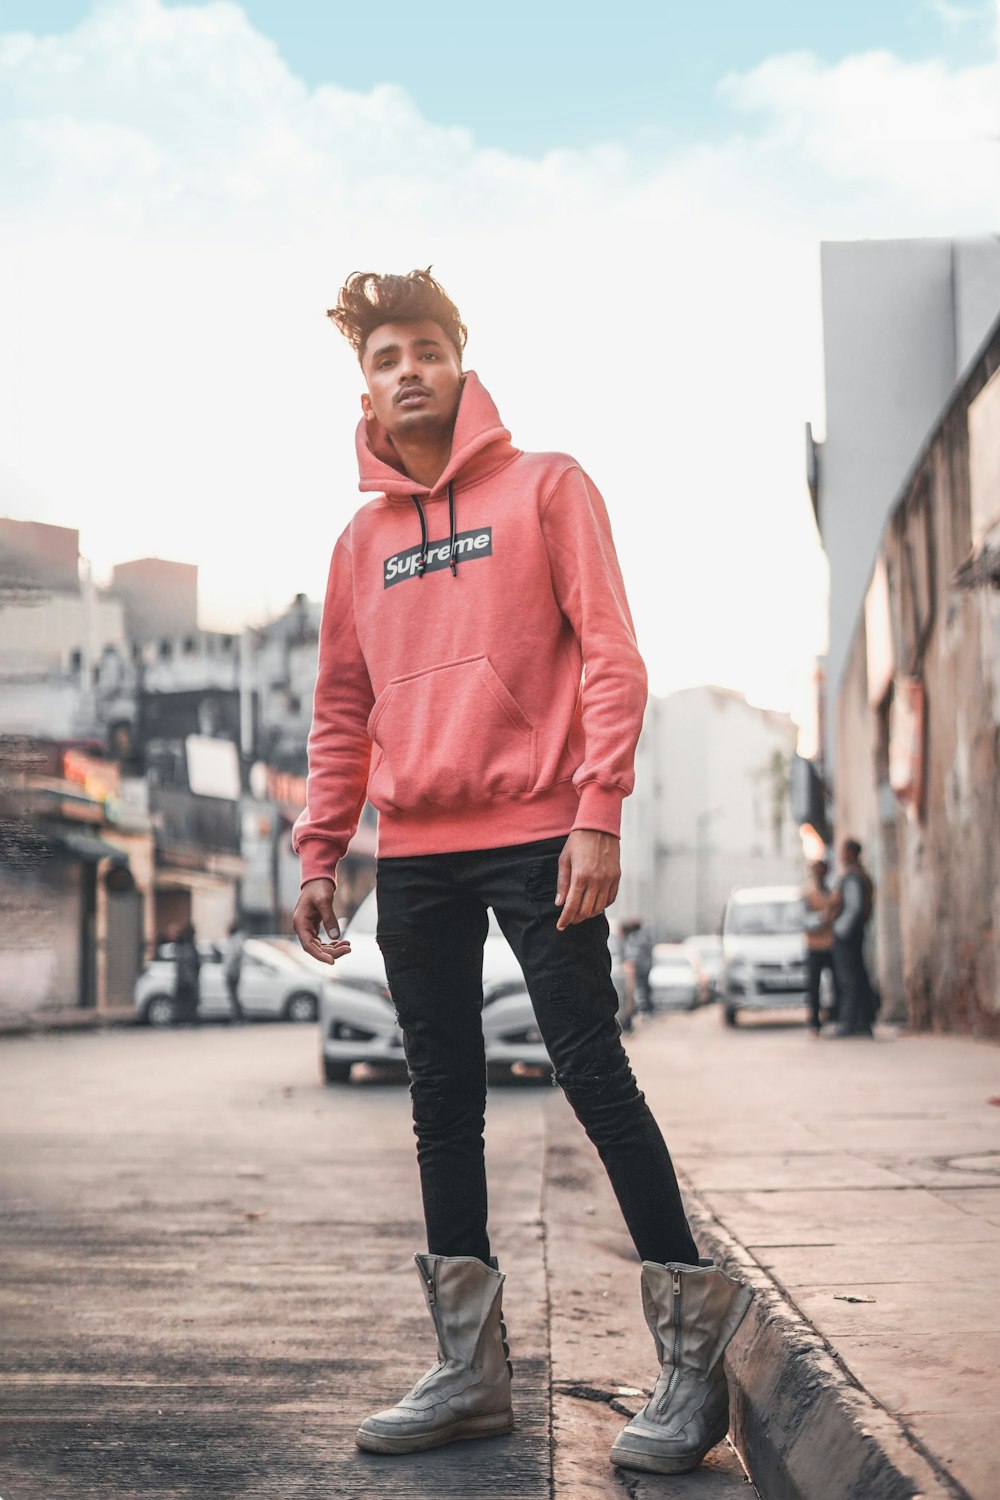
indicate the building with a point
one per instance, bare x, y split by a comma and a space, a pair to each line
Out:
902, 319
159, 597
76, 856
917, 773
62, 644
181, 752
710, 810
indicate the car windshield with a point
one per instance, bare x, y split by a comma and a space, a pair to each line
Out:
364, 921
768, 918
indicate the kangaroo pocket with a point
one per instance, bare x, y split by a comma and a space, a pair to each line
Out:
448, 735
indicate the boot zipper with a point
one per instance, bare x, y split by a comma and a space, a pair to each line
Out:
432, 1307
664, 1400
677, 1316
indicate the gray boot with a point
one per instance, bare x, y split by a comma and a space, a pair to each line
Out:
692, 1314
467, 1393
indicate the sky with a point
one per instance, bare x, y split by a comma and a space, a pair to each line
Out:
626, 202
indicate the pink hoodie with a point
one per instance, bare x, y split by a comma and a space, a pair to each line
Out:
493, 696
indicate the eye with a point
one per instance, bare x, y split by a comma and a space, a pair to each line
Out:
429, 356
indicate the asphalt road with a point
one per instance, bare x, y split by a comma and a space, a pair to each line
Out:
206, 1261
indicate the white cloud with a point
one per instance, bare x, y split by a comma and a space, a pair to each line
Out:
181, 210
955, 17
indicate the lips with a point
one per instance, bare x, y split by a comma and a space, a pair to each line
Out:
411, 396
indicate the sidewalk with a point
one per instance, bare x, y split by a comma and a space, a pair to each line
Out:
858, 1185
72, 1018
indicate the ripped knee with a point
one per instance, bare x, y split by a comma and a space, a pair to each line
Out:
597, 1085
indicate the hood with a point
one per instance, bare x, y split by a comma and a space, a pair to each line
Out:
764, 947
480, 446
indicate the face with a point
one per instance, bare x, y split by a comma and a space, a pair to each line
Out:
414, 379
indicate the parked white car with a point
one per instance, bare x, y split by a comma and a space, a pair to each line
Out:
272, 986
763, 950
674, 982
358, 1021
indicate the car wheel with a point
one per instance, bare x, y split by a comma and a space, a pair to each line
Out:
729, 1014
161, 1010
300, 1007
336, 1072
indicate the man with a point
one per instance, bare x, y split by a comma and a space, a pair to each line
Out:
479, 680
232, 968
637, 952
187, 977
855, 895
821, 904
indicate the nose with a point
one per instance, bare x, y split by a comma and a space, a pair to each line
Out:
408, 371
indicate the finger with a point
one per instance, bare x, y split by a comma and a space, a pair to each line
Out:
589, 903
328, 917
613, 896
568, 915
563, 879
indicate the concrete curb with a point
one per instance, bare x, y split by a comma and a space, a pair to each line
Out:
802, 1425
34, 1023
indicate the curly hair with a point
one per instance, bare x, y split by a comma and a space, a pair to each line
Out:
367, 300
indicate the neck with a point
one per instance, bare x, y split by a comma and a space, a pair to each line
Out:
424, 459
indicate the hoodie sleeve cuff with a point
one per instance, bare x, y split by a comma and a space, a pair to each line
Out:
600, 809
318, 860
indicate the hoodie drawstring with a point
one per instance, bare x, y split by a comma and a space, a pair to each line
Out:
453, 539
422, 559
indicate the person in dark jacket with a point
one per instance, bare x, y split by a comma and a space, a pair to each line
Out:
855, 899
187, 971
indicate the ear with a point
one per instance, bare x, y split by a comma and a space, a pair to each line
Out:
367, 408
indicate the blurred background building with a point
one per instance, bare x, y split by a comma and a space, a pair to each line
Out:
710, 811
906, 490
151, 771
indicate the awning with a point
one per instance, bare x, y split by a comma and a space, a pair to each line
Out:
85, 845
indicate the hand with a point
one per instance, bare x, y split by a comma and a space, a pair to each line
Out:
589, 872
313, 911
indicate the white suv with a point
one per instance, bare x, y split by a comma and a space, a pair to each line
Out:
763, 950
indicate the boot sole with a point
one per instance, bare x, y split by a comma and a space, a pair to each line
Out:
473, 1427
656, 1463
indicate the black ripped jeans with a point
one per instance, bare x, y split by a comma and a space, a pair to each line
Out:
432, 923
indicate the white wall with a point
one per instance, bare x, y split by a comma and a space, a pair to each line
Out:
42, 636
703, 817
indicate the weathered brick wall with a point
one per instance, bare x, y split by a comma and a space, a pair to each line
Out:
938, 937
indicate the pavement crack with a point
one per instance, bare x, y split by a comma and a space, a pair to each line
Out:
547, 1282
629, 1482
580, 1391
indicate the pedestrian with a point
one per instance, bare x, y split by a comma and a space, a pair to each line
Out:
855, 902
187, 971
478, 677
637, 952
232, 968
821, 905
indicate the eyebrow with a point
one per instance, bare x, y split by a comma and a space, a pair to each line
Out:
394, 348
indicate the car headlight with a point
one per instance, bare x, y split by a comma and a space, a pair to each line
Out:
501, 991
366, 986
